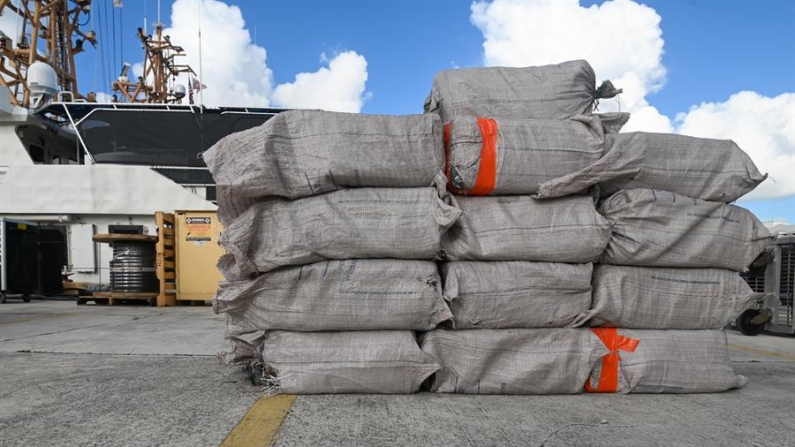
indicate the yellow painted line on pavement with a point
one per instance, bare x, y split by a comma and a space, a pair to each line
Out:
261, 423
780, 355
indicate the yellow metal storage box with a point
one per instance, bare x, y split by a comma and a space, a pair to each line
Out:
197, 254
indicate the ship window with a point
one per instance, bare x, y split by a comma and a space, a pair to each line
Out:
174, 139
210, 193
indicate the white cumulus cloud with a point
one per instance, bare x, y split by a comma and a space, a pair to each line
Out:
235, 69
340, 87
623, 41
764, 127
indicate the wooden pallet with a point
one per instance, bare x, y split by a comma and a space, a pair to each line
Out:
112, 297
115, 237
166, 259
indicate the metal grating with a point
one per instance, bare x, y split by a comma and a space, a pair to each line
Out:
755, 281
787, 283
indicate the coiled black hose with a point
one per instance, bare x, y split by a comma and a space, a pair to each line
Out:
132, 269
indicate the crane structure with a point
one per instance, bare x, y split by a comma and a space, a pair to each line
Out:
159, 65
50, 33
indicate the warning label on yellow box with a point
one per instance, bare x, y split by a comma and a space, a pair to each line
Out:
199, 229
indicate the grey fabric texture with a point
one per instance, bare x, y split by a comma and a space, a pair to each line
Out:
384, 362
401, 223
716, 170
529, 152
340, 295
667, 298
675, 362
518, 294
301, 153
242, 352
663, 229
547, 92
520, 228
513, 361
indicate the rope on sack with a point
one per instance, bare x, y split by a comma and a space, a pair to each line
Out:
605, 91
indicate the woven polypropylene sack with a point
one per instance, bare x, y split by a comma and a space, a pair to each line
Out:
387, 362
667, 298
344, 295
716, 170
547, 92
516, 294
526, 153
674, 361
242, 352
513, 361
662, 229
301, 153
520, 228
401, 223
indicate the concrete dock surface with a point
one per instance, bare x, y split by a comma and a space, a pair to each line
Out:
140, 376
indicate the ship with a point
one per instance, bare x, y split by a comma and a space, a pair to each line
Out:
72, 167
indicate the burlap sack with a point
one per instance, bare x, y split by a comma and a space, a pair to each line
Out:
400, 223
547, 92
384, 362
513, 361
518, 294
667, 298
662, 229
716, 170
301, 153
504, 156
345, 295
520, 228
673, 362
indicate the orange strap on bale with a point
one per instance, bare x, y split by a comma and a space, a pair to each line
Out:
487, 170
608, 378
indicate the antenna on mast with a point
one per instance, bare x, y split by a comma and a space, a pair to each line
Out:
160, 69
55, 39
201, 73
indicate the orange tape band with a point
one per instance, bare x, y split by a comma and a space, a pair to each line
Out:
608, 378
487, 171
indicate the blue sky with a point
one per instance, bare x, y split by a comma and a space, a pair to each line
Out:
712, 50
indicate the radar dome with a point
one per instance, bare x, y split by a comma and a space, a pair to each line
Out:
179, 91
42, 82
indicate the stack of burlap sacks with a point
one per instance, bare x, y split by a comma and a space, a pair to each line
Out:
334, 222
520, 269
667, 245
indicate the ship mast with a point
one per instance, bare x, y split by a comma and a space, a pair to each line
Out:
159, 64
51, 25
